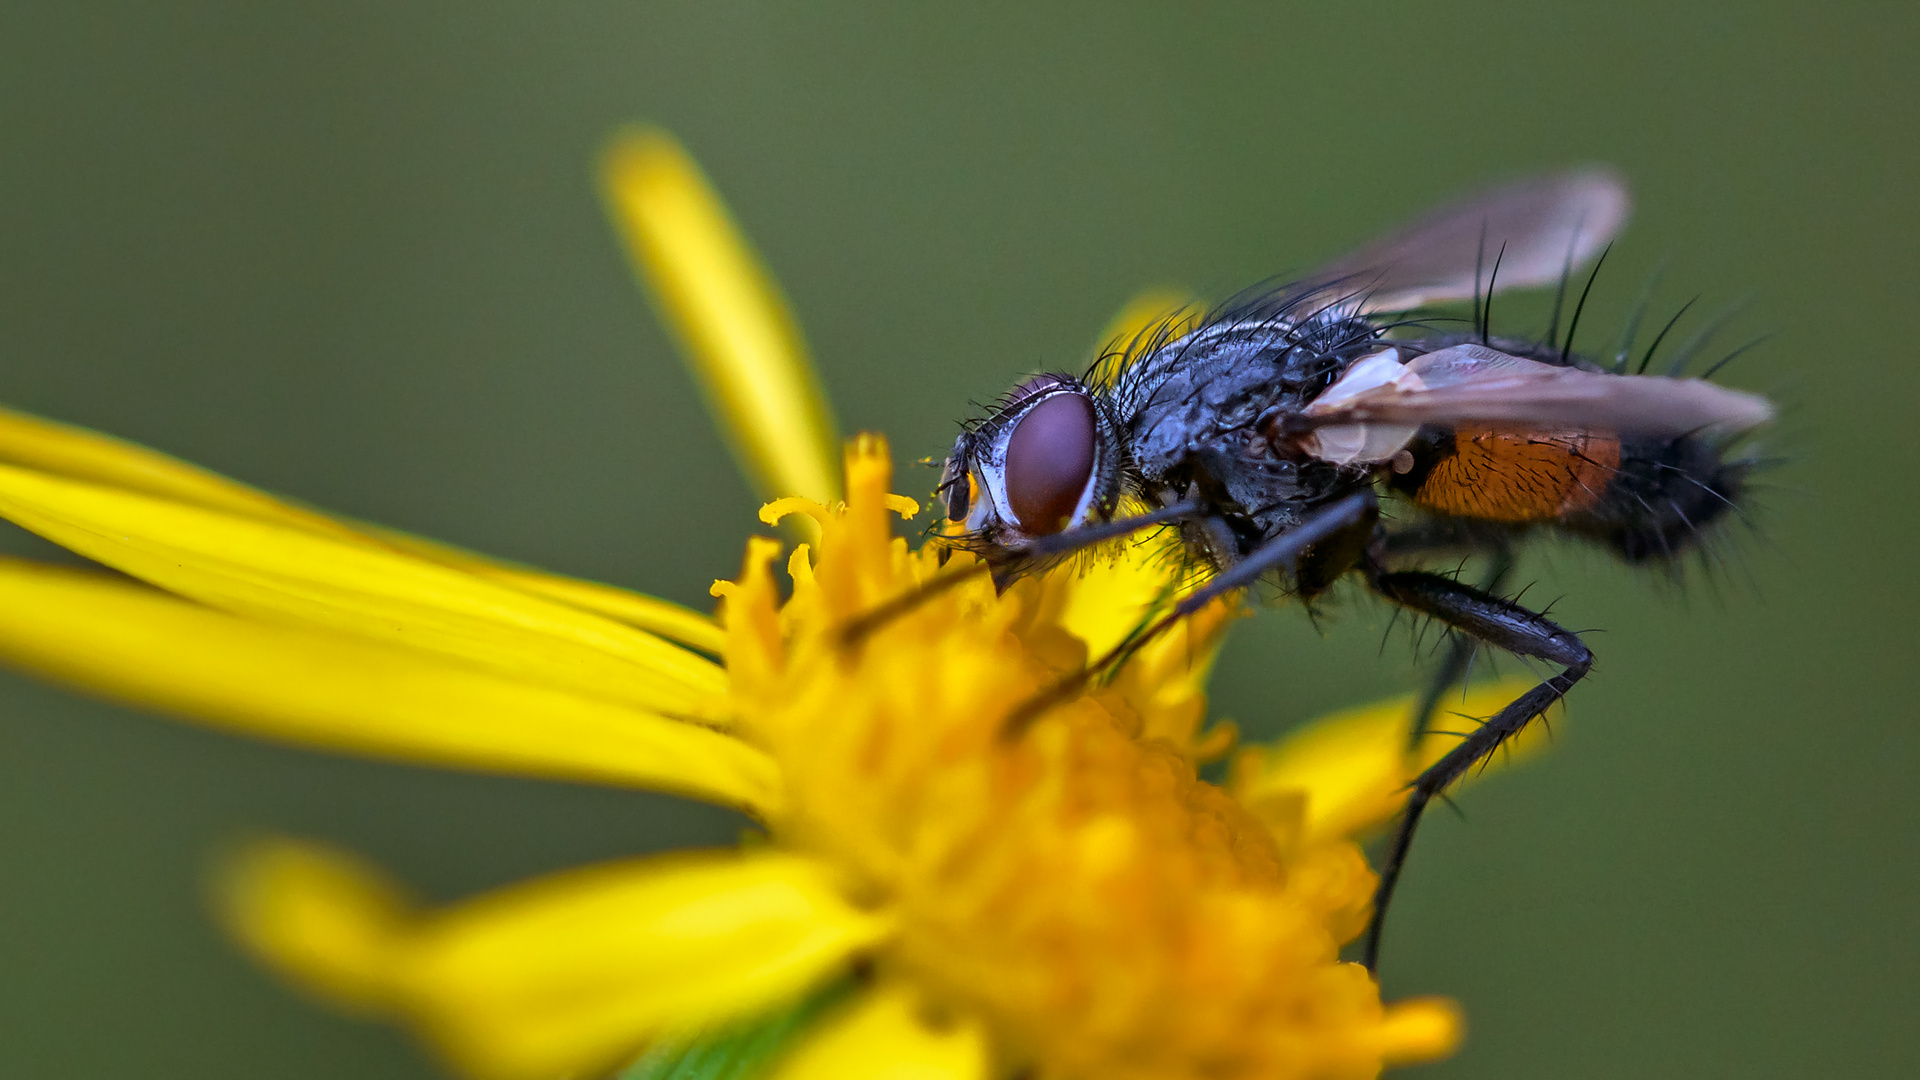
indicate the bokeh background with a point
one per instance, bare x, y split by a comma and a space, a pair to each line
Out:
351, 252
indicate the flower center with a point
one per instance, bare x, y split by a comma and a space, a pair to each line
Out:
1110, 913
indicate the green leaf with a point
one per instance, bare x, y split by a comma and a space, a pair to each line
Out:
739, 1051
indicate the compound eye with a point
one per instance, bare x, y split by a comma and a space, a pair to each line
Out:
1049, 462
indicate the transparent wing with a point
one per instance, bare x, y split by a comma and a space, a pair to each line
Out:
1545, 223
1470, 384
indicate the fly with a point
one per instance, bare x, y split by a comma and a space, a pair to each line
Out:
1269, 433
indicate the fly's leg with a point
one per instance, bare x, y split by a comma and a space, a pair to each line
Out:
1461, 537
1499, 623
1279, 553
1453, 667
1033, 553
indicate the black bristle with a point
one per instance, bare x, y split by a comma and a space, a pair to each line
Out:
1702, 336
1560, 292
1573, 324
1632, 329
1479, 259
1486, 325
1662, 335
1729, 358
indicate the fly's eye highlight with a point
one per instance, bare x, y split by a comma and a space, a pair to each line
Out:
1049, 462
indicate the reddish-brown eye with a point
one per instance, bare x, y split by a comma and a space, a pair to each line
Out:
1049, 461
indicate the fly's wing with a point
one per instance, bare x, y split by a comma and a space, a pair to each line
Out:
1546, 224
1378, 404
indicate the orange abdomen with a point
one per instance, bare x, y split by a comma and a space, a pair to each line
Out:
1507, 474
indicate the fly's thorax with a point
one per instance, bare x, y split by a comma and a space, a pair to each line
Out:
1199, 413
1048, 459
1216, 386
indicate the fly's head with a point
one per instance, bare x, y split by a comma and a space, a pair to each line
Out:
1048, 459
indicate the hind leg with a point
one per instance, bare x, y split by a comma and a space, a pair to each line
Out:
1496, 622
1463, 538
1458, 658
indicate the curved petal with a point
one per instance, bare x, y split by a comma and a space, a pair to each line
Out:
1144, 311
650, 613
288, 575
735, 330
1107, 599
80, 454
1345, 773
561, 975
322, 916
884, 1036
740, 1049
124, 641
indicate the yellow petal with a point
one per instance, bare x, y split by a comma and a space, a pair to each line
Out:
734, 328
1110, 597
1345, 773
562, 975
1456, 714
884, 1036
288, 575
133, 644
1147, 310
1421, 1029
321, 915
80, 454
652, 614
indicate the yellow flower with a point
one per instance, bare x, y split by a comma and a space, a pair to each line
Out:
1074, 902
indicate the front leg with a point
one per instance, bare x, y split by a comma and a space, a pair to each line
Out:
1497, 622
1355, 513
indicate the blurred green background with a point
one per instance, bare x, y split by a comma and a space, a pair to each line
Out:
351, 252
